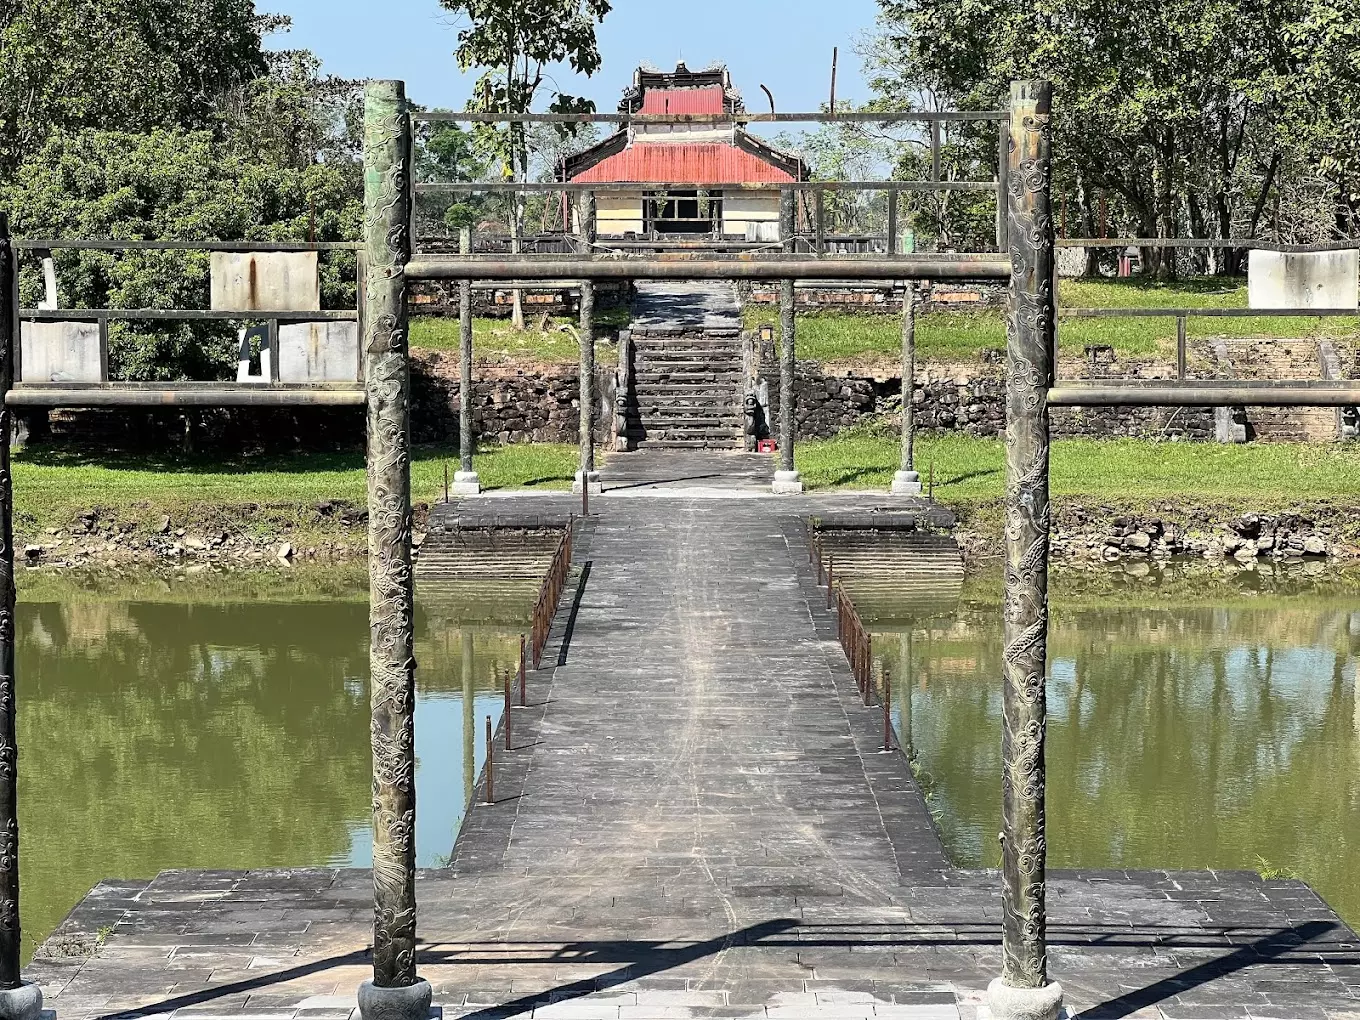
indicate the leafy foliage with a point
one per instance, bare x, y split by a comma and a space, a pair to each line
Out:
157, 63
516, 41
1190, 115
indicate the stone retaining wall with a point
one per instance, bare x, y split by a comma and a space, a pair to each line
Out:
885, 298
969, 399
511, 403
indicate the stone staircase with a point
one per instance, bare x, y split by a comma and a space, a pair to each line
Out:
484, 554
1281, 358
686, 389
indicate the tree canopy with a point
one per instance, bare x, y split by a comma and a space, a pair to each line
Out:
157, 63
1194, 117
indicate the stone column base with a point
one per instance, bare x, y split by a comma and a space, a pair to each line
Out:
1007, 1003
595, 488
409, 1003
465, 483
787, 483
22, 1003
906, 483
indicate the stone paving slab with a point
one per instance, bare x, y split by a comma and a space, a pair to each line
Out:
694, 304
697, 819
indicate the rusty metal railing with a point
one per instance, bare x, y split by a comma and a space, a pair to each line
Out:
549, 595
850, 630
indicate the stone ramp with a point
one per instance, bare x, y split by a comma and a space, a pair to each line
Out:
696, 819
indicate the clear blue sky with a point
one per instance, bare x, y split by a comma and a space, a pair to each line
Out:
784, 43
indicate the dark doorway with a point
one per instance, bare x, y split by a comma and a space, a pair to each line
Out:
683, 212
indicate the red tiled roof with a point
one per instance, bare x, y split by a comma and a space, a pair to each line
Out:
705, 100
683, 163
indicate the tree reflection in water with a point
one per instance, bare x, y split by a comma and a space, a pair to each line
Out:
227, 734
1180, 736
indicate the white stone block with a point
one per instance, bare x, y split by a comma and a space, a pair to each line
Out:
266, 281
313, 352
1320, 279
59, 352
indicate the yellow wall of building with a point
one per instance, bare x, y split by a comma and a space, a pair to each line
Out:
618, 212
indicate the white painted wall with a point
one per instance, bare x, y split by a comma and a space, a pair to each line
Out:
1321, 279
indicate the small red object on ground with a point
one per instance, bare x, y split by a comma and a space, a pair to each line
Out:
765, 446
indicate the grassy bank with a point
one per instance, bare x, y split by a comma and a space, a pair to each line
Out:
970, 472
263, 497
965, 336
542, 339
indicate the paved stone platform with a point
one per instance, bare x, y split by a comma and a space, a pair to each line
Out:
698, 819
673, 304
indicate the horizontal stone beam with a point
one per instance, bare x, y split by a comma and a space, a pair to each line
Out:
689, 268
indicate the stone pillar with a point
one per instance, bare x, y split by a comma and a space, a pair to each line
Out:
787, 479
587, 473
19, 1000
1023, 990
907, 481
465, 480
395, 993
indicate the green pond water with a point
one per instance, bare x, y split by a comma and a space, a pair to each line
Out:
1196, 720
194, 728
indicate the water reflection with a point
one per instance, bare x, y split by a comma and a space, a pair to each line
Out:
231, 734
1180, 735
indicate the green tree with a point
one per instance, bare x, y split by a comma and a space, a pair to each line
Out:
445, 153
516, 41
128, 65
1186, 111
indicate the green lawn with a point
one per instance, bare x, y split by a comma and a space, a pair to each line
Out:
497, 338
1125, 471
53, 485
963, 336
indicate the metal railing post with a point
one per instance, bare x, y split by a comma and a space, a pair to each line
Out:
490, 763
523, 696
1023, 989
887, 709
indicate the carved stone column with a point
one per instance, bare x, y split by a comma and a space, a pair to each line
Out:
787, 479
907, 481
395, 991
586, 379
1023, 990
465, 480
18, 1000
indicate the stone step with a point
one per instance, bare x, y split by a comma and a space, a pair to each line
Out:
688, 407
642, 378
653, 421
687, 388
691, 435
697, 365
688, 444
